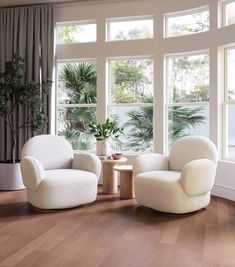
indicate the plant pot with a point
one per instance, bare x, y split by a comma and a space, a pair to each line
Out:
10, 176
102, 147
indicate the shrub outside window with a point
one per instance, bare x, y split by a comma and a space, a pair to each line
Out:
76, 102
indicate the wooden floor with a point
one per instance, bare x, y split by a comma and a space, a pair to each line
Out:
112, 233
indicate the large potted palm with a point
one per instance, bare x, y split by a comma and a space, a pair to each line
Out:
15, 94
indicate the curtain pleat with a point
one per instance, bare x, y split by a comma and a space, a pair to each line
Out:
30, 31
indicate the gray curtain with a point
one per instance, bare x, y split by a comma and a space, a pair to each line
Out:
30, 31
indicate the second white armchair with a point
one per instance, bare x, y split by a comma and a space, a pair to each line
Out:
179, 183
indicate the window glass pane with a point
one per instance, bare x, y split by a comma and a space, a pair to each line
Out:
188, 78
231, 132
230, 13
187, 120
130, 29
72, 123
138, 128
197, 21
78, 33
131, 80
76, 83
230, 74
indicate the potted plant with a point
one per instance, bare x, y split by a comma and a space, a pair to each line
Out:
102, 132
14, 93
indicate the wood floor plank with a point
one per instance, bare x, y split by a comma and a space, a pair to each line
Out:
114, 233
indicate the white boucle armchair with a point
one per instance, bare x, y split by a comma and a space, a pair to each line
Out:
55, 177
179, 183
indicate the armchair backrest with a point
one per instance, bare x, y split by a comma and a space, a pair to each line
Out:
53, 152
191, 148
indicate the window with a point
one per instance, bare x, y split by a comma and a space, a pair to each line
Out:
76, 102
129, 29
228, 10
229, 104
79, 32
188, 95
187, 22
131, 102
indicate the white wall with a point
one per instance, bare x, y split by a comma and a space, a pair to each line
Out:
157, 47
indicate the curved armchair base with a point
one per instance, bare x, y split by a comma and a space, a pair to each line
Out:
161, 190
66, 188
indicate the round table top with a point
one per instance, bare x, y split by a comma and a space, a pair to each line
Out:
123, 168
123, 159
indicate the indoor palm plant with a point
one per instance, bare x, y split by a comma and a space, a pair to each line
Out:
102, 132
15, 94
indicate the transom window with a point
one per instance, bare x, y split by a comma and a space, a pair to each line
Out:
228, 12
77, 32
187, 22
129, 28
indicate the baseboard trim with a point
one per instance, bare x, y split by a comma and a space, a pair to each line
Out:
223, 191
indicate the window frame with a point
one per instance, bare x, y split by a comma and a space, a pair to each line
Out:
57, 105
111, 105
223, 12
126, 19
172, 104
76, 23
225, 104
184, 13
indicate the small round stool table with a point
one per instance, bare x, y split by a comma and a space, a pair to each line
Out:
110, 177
126, 181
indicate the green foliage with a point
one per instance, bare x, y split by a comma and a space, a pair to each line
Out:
188, 79
14, 93
103, 131
80, 83
140, 125
181, 119
129, 81
136, 33
65, 34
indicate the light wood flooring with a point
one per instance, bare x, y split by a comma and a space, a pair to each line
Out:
114, 233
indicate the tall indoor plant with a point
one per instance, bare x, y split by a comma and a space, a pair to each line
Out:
14, 94
102, 132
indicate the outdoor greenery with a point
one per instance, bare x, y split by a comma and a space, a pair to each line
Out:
140, 124
79, 87
132, 83
15, 94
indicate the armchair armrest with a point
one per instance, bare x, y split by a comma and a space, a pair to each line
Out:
150, 162
198, 176
32, 172
87, 162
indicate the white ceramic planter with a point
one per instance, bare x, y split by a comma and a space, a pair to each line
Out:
10, 176
102, 148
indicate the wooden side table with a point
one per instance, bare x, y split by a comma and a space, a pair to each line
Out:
126, 181
110, 177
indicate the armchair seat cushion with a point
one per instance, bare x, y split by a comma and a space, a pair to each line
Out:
64, 188
162, 191
163, 179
